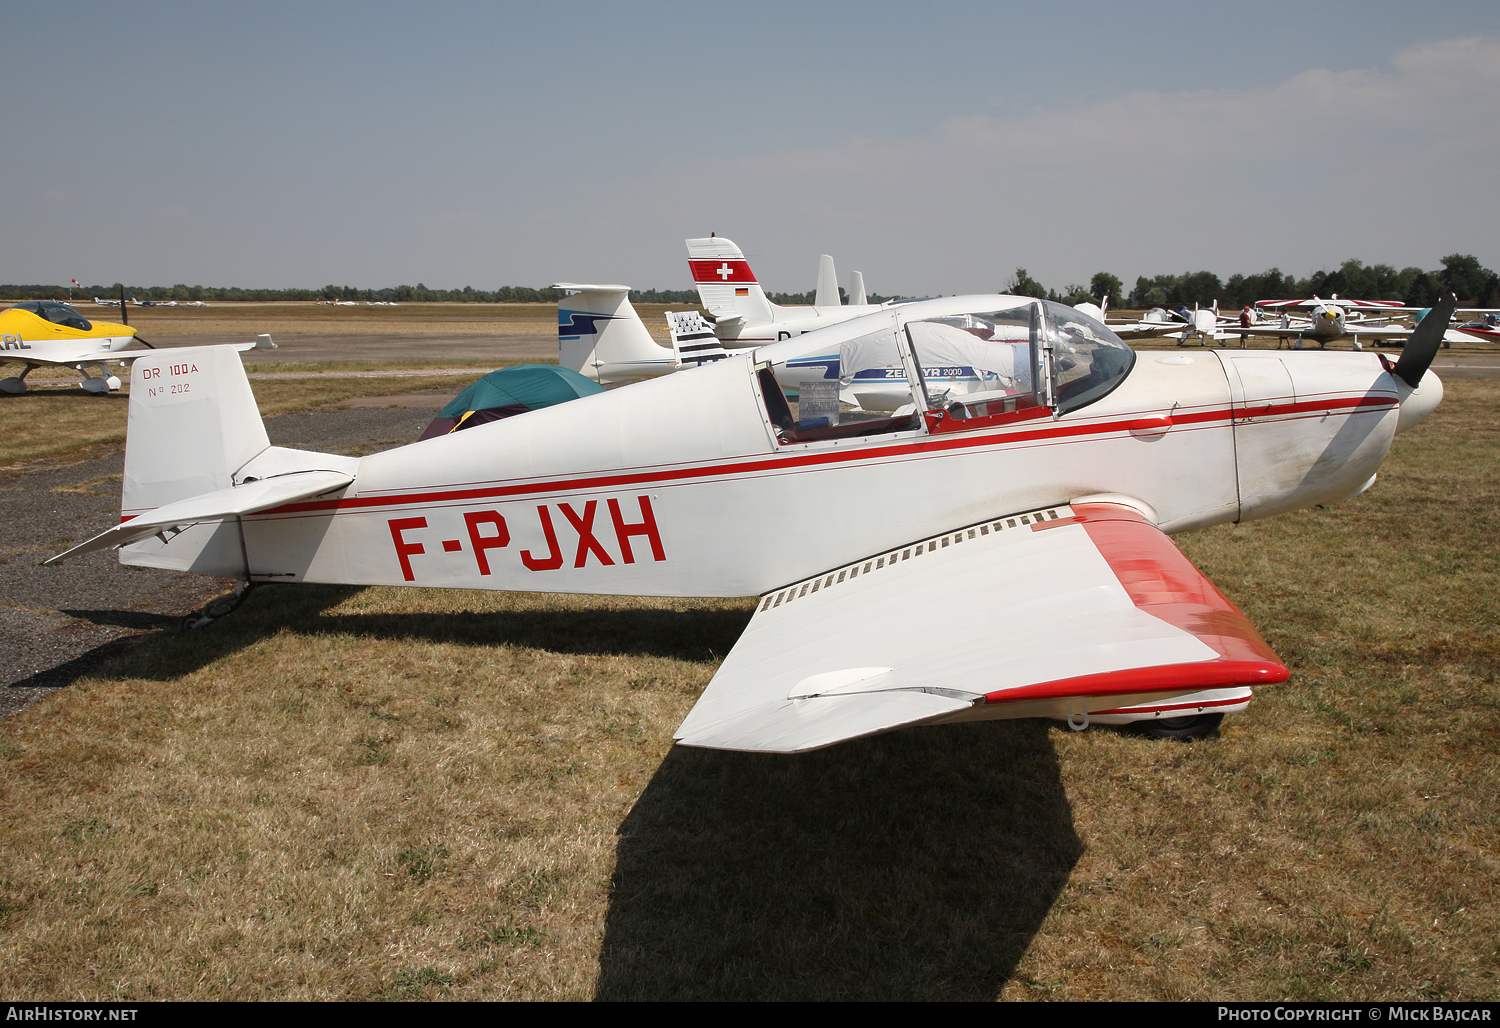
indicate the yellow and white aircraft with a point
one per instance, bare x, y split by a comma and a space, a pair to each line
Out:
48, 332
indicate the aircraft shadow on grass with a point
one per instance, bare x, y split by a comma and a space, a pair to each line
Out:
692, 634
913, 865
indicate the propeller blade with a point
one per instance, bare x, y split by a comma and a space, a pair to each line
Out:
1423, 345
148, 346
124, 314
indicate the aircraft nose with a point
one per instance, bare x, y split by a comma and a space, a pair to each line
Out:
1417, 403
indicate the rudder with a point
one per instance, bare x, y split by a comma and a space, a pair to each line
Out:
600, 335
192, 423
726, 285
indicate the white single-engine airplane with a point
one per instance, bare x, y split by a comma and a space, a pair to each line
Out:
995, 549
1202, 323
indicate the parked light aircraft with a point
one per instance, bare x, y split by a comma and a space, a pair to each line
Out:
1335, 318
50, 333
1201, 323
744, 316
995, 550
601, 336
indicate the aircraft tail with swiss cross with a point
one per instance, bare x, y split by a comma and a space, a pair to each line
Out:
726, 285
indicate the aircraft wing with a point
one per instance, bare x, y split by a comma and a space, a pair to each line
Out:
1145, 328
1088, 604
224, 503
1452, 335
17, 357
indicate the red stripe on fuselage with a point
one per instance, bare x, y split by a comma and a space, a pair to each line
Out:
913, 448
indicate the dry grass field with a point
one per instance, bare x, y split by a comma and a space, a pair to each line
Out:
347, 793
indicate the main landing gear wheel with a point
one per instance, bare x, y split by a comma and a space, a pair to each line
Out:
1194, 726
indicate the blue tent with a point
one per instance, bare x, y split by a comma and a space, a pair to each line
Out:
508, 392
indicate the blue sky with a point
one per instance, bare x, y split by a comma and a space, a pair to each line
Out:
933, 148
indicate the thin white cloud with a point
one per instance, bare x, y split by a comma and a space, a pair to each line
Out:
1391, 166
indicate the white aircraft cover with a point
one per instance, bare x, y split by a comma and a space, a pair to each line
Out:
1092, 601
940, 344
224, 503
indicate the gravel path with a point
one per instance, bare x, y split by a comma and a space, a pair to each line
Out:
58, 623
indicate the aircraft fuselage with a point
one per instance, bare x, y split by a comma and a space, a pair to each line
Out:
680, 486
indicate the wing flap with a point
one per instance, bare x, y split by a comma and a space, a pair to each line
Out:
249, 498
1090, 601
792, 726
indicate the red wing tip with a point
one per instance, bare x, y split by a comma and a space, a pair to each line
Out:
1208, 674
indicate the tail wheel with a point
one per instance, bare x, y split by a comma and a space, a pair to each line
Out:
1195, 726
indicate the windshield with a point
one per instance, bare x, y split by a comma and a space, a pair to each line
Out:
1088, 359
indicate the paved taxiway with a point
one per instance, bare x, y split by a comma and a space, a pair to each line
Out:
57, 623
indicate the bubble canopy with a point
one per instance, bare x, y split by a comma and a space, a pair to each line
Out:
969, 356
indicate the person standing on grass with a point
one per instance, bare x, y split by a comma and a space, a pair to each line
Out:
1246, 320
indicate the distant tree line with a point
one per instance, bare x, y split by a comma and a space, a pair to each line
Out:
418, 293
794, 299
1475, 285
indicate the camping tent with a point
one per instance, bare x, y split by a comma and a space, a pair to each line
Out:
510, 391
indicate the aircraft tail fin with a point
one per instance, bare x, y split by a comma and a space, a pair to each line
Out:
693, 339
828, 284
191, 424
726, 285
857, 290
600, 335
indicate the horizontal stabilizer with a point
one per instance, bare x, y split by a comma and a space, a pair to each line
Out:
249, 498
